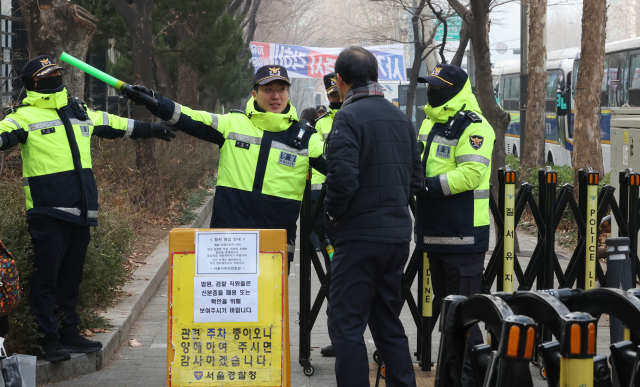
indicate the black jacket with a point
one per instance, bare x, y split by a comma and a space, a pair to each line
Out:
373, 166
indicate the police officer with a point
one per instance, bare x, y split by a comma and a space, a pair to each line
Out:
452, 221
323, 126
54, 132
265, 157
321, 109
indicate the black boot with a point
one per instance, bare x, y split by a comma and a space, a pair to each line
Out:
54, 351
328, 351
79, 344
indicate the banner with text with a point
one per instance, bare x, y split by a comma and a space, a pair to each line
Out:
315, 62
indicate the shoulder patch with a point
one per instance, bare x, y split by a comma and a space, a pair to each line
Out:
475, 118
476, 141
237, 111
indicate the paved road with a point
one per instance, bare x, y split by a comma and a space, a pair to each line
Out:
145, 366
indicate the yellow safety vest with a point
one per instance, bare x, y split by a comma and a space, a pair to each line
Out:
457, 163
56, 155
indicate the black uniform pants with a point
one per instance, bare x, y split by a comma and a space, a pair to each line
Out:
59, 252
458, 274
365, 288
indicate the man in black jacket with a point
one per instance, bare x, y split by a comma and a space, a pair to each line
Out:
373, 165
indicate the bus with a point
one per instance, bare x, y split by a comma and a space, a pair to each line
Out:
620, 88
558, 135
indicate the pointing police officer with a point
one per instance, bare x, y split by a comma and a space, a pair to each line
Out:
265, 157
54, 132
452, 221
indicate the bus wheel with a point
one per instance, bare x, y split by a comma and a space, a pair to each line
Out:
550, 159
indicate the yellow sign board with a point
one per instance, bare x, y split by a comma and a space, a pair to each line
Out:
239, 346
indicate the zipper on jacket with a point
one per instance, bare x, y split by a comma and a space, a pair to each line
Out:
75, 156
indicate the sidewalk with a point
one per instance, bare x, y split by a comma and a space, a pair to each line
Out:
146, 365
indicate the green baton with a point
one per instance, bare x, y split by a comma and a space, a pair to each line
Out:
108, 79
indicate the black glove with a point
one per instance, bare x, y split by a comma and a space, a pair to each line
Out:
424, 191
135, 96
162, 131
158, 130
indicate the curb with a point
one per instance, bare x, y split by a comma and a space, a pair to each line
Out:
144, 283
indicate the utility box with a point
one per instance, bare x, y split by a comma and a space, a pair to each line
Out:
625, 148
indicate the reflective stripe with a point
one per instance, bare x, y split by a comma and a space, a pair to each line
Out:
448, 240
75, 121
324, 136
92, 214
214, 121
316, 187
14, 122
72, 211
291, 249
176, 114
130, 125
45, 124
25, 180
445, 141
423, 137
444, 184
244, 138
481, 194
472, 157
105, 119
287, 148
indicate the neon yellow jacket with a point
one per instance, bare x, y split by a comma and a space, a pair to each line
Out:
323, 126
56, 154
454, 217
261, 177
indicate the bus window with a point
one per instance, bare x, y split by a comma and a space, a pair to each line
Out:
634, 73
505, 89
605, 82
515, 88
552, 84
618, 82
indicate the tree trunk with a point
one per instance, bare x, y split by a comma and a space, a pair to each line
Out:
163, 79
418, 50
533, 154
587, 148
187, 85
497, 117
138, 16
60, 27
464, 41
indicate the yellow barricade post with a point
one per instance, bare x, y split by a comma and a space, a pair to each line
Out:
577, 350
228, 308
427, 291
592, 230
509, 229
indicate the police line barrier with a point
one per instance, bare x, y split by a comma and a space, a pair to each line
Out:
513, 320
543, 268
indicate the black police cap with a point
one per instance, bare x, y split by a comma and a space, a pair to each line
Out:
330, 83
321, 108
270, 73
40, 67
444, 75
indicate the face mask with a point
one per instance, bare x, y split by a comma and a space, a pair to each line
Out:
49, 83
438, 97
335, 105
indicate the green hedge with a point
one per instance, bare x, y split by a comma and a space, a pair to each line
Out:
104, 272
